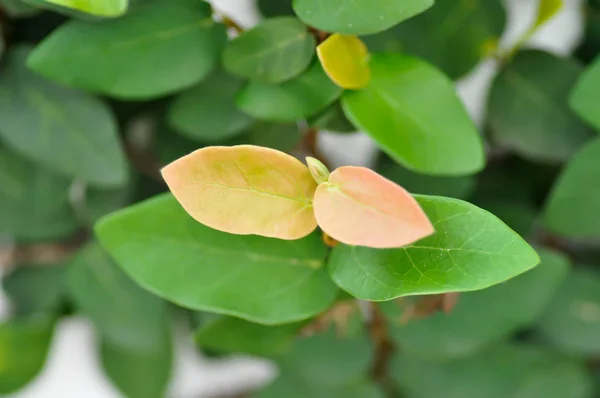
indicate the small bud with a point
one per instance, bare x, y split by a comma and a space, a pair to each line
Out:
317, 169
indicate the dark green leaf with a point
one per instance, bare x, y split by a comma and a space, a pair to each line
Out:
227, 334
483, 317
281, 136
275, 8
290, 387
470, 250
585, 97
455, 187
528, 110
260, 279
453, 35
396, 110
572, 207
293, 100
502, 372
161, 47
18, 9
23, 349
357, 17
35, 289
34, 202
51, 124
208, 112
572, 320
333, 120
99, 202
272, 52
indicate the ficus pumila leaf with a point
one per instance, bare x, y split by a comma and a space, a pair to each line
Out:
359, 207
345, 60
245, 189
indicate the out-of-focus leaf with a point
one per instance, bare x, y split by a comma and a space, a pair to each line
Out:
272, 52
333, 120
159, 48
546, 10
275, 8
103, 8
585, 97
18, 9
470, 250
262, 280
528, 110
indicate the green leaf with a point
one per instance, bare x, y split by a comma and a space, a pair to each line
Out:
481, 318
23, 349
572, 321
159, 48
357, 17
519, 216
585, 96
103, 8
227, 334
546, 10
272, 52
506, 371
572, 207
208, 112
275, 8
34, 202
290, 387
35, 289
18, 9
295, 99
453, 35
455, 187
528, 110
470, 250
333, 120
99, 202
263, 280
396, 108
51, 124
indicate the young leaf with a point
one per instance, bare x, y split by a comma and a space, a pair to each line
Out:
396, 107
585, 97
161, 47
34, 202
272, 52
245, 189
453, 35
572, 207
572, 320
528, 109
481, 318
471, 249
546, 10
103, 8
295, 99
208, 112
357, 17
51, 124
23, 349
359, 207
231, 335
345, 60
501, 372
263, 280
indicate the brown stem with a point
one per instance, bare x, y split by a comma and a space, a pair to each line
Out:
230, 23
383, 347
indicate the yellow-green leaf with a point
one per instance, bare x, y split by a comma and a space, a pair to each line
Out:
244, 190
345, 60
546, 10
104, 8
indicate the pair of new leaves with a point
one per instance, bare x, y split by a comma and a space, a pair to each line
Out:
248, 189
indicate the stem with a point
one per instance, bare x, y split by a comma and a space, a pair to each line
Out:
382, 345
230, 23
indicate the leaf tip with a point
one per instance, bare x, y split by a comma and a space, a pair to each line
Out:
318, 170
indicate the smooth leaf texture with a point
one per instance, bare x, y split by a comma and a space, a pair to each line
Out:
546, 10
51, 124
35, 290
453, 35
161, 47
208, 111
231, 335
262, 280
528, 111
272, 52
572, 207
506, 371
357, 17
34, 202
103, 8
396, 108
295, 99
572, 321
470, 250
345, 60
23, 349
359, 207
585, 97
481, 318
244, 190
